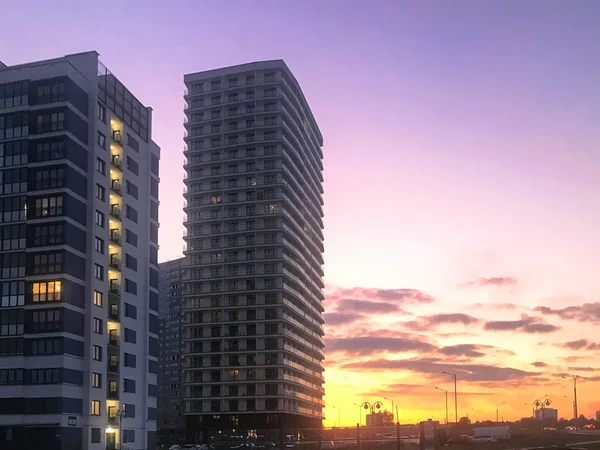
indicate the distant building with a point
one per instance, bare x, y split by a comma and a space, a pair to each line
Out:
547, 414
374, 420
597, 416
170, 396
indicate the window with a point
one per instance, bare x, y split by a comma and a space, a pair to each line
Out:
130, 262
48, 151
130, 311
96, 380
131, 189
270, 208
131, 237
133, 143
98, 245
249, 79
96, 433
101, 139
132, 165
130, 286
96, 405
98, 298
98, 272
50, 121
131, 213
215, 199
97, 325
13, 153
46, 291
97, 353
100, 165
128, 385
100, 192
13, 293
99, 218
129, 360
48, 206
11, 322
128, 435
14, 181
48, 263
130, 336
101, 112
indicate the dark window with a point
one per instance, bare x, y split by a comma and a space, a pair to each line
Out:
51, 92
130, 286
128, 385
133, 143
13, 237
98, 272
46, 320
131, 189
101, 139
129, 360
48, 206
47, 122
130, 311
13, 293
131, 237
154, 164
101, 113
13, 209
96, 433
14, 181
131, 213
154, 187
130, 336
12, 265
11, 322
130, 262
99, 219
132, 165
13, 153
14, 125
129, 435
50, 150
154, 210
101, 165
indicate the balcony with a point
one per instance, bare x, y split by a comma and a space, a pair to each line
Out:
115, 261
113, 312
116, 161
112, 392
117, 136
115, 211
115, 186
113, 365
114, 287
113, 337
115, 236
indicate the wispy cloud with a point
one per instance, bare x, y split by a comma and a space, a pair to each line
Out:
366, 306
367, 345
435, 366
588, 312
468, 350
429, 322
338, 318
526, 324
539, 364
491, 281
580, 344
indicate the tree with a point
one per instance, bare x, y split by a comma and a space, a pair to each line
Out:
464, 420
388, 418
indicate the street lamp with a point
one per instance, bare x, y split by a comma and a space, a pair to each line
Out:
575, 391
497, 410
372, 407
385, 398
453, 375
445, 392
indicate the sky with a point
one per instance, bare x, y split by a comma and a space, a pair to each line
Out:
462, 176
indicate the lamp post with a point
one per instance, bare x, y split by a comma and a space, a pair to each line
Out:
372, 407
453, 375
497, 410
389, 400
359, 412
574, 392
121, 416
339, 415
445, 392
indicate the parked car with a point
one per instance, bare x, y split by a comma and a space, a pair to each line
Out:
570, 428
589, 426
327, 445
460, 440
484, 439
548, 429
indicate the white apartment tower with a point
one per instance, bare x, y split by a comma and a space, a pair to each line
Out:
253, 284
78, 259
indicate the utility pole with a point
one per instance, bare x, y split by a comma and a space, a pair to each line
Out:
389, 400
575, 393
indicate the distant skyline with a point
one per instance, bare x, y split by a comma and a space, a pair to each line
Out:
462, 176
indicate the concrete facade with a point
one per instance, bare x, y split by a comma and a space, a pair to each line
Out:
79, 278
254, 259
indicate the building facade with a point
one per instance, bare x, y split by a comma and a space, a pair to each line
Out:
78, 258
254, 259
170, 397
550, 414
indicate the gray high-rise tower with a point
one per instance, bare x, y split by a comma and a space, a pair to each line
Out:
254, 260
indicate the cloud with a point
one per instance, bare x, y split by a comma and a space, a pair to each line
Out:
366, 306
428, 322
526, 324
539, 364
469, 350
580, 344
367, 345
583, 369
435, 366
588, 312
396, 296
337, 318
491, 281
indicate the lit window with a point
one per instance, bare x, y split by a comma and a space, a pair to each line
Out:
46, 291
96, 380
96, 405
97, 298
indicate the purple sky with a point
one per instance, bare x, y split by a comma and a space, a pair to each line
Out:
462, 138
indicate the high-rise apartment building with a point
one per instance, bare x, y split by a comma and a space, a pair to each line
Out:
78, 259
170, 396
254, 259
